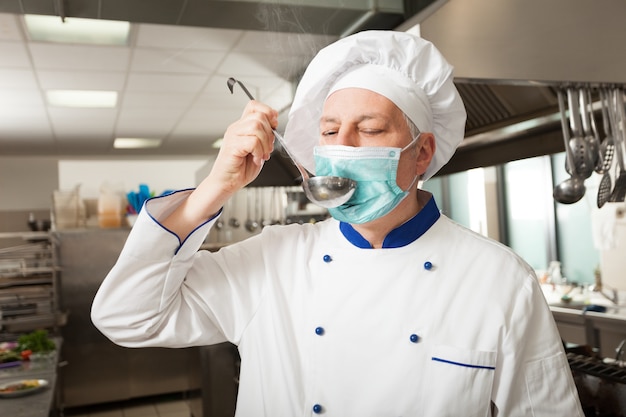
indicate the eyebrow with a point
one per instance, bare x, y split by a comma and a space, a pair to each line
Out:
367, 116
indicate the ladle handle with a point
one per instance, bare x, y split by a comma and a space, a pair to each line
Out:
305, 175
569, 154
574, 112
231, 82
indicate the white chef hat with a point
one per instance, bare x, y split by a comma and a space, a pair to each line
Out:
404, 68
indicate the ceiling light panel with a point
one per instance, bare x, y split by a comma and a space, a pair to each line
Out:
42, 28
82, 98
136, 143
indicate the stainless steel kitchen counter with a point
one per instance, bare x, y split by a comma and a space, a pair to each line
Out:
37, 404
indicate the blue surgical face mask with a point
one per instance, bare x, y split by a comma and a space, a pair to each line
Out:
374, 169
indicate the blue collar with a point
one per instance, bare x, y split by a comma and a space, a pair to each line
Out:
404, 234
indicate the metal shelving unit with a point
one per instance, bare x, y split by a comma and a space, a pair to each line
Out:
29, 283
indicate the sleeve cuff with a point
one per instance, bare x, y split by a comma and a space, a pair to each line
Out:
158, 208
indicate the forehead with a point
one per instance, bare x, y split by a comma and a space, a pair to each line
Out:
358, 101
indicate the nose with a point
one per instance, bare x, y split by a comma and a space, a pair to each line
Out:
347, 137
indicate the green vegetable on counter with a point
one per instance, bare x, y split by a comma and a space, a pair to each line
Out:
9, 356
37, 341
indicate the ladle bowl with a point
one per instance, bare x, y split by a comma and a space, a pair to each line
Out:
569, 191
325, 191
329, 191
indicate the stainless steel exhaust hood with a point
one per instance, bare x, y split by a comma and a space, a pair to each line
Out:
510, 56
325, 17
506, 121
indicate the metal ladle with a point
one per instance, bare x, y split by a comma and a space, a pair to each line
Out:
325, 191
572, 189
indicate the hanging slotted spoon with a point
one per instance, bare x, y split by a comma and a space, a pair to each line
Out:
325, 191
619, 131
592, 139
607, 150
583, 160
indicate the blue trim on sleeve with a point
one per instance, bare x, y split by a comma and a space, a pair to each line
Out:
466, 365
180, 244
401, 236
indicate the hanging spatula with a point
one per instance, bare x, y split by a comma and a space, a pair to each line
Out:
618, 119
607, 150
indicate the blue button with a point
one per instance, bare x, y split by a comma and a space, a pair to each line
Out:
319, 331
327, 258
392, 153
428, 265
414, 338
317, 408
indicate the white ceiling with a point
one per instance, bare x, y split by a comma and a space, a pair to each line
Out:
171, 84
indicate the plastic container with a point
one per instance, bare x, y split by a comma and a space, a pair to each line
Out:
110, 207
69, 209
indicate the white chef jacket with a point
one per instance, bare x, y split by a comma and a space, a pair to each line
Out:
445, 322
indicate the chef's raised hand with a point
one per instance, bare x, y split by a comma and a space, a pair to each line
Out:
247, 144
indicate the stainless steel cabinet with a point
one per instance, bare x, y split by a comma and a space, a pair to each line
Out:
97, 370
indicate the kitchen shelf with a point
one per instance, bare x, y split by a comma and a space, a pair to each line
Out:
29, 282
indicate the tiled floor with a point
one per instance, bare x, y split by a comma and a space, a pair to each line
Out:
165, 406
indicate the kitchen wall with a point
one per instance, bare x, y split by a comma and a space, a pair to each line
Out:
27, 183
159, 175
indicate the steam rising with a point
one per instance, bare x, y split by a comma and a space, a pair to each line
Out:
305, 40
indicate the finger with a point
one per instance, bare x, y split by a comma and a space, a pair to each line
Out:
243, 149
267, 119
254, 106
256, 137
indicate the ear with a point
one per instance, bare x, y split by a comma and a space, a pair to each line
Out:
425, 153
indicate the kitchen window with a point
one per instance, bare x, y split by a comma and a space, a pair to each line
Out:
513, 203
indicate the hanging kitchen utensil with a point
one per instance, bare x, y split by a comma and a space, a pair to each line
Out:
219, 224
233, 221
583, 161
281, 201
251, 223
572, 189
619, 131
589, 126
274, 207
607, 146
265, 220
607, 150
325, 191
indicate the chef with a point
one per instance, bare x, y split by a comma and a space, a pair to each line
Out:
386, 309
